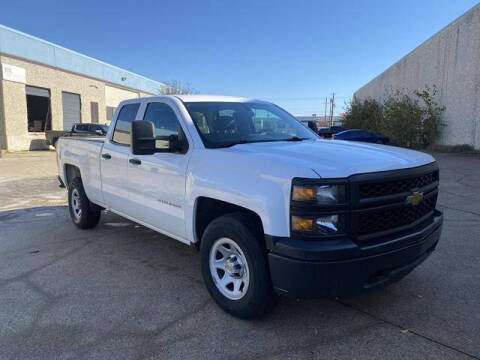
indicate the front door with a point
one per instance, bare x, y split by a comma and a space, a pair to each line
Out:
156, 182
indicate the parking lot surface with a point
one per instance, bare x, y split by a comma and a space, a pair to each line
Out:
121, 291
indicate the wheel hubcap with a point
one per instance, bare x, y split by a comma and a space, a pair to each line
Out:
229, 269
76, 206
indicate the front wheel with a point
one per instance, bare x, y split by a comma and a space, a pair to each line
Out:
83, 213
235, 268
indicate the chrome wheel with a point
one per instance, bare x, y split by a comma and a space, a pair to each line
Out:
229, 268
76, 204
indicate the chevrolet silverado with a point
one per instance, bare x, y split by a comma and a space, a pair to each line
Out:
271, 207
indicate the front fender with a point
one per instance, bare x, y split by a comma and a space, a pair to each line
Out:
246, 182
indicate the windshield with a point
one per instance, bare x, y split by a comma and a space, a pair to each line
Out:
222, 124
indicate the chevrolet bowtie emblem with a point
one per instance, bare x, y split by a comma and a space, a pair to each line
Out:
415, 199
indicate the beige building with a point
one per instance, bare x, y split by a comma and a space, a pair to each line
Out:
46, 87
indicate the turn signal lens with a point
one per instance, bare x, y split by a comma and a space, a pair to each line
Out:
322, 194
302, 193
334, 224
302, 224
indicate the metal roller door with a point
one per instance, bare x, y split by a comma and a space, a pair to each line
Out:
71, 110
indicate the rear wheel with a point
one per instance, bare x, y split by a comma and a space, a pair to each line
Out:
84, 214
235, 268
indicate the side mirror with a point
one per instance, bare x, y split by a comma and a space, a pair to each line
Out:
99, 132
142, 137
168, 143
174, 143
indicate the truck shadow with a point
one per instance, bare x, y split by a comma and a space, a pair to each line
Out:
146, 286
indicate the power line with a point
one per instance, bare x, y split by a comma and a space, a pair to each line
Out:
304, 98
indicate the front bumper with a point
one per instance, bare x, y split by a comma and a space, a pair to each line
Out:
338, 275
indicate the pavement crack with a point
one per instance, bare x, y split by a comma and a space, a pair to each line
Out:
312, 344
143, 354
402, 328
461, 210
55, 260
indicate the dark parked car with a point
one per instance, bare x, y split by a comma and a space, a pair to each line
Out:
77, 130
328, 132
362, 135
311, 124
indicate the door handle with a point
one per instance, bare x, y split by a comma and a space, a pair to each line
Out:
135, 161
106, 156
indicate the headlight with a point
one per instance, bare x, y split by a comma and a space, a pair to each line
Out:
321, 194
321, 225
330, 224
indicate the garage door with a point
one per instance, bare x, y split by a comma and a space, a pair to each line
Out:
71, 110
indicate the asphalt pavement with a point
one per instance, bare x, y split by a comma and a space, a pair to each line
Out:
122, 291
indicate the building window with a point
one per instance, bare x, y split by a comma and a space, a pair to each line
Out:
38, 109
110, 112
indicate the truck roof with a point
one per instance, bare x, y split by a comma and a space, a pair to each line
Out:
205, 98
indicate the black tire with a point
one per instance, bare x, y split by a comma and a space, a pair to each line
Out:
259, 297
89, 214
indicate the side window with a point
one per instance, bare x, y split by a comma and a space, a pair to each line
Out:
165, 122
121, 134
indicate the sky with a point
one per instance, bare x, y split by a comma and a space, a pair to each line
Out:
293, 53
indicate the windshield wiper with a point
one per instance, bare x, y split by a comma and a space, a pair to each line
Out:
230, 144
243, 141
295, 138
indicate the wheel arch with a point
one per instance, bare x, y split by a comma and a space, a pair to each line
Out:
207, 209
71, 172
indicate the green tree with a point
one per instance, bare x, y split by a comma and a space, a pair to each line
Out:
173, 87
364, 115
408, 119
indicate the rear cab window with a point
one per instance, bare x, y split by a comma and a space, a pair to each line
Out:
123, 125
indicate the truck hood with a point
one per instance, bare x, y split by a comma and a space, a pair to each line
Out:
335, 158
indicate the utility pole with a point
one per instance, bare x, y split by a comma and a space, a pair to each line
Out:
325, 116
332, 107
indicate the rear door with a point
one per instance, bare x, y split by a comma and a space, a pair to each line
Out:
156, 182
114, 160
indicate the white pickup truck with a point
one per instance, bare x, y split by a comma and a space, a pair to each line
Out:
272, 208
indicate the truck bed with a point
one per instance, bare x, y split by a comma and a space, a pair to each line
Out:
84, 153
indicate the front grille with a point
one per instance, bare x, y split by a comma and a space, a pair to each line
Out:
377, 189
380, 201
379, 206
382, 220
